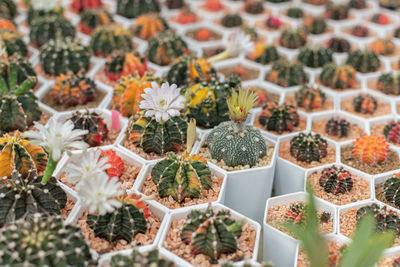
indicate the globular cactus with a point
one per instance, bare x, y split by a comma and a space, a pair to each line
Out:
43, 242
308, 147
338, 45
295, 12
149, 259
383, 47
389, 83
358, 4
8, 9
315, 57
363, 60
13, 43
287, 74
207, 101
370, 149
117, 164
84, 5
73, 89
264, 54
94, 123
310, 98
6, 24
273, 23
186, 16
315, 25
360, 31
254, 6
211, 233
165, 47
381, 19
93, 18
386, 220
392, 132
189, 69
391, 189
337, 11
134, 8
50, 27
17, 153
60, 56
109, 38
35, 13
336, 180
174, 4
213, 5
337, 127
338, 77
124, 223
147, 26
121, 63
24, 69
279, 118
296, 213
127, 94
22, 195
19, 106
293, 38
232, 20
365, 104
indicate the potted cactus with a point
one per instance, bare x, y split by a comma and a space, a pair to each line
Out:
109, 38
287, 74
386, 187
232, 20
310, 99
80, 6
148, 25
93, 18
253, 7
384, 47
315, 57
8, 9
387, 83
264, 54
293, 38
316, 25
134, 8
337, 11
13, 43
365, 105
364, 61
339, 77
138, 257
42, 8
338, 45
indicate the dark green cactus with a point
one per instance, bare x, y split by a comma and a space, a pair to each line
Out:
337, 127
40, 13
293, 38
50, 27
269, 55
338, 45
337, 11
181, 177
338, 77
24, 69
389, 83
358, 4
310, 98
134, 8
386, 220
149, 259
43, 242
174, 4
295, 12
363, 60
360, 31
254, 6
232, 20
336, 180
60, 56
93, 18
211, 233
365, 104
308, 147
8, 9
391, 190
315, 25
13, 43
287, 74
279, 118
296, 213
109, 38
315, 57
24, 195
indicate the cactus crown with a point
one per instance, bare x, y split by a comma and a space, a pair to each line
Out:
389, 83
295, 213
337, 11
287, 74
392, 132
391, 189
150, 259
370, 149
109, 38
363, 60
386, 220
308, 147
337, 127
338, 45
83, 5
293, 38
117, 164
309, 98
43, 242
13, 42
211, 233
134, 8
336, 180
365, 104
279, 118
122, 63
232, 20
384, 47
315, 57
148, 25
338, 77
93, 18
240, 103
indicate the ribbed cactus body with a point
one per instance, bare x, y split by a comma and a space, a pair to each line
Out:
365, 104
389, 83
338, 45
338, 77
296, 213
134, 8
315, 25
232, 20
308, 147
264, 54
211, 233
8, 9
310, 98
287, 74
370, 149
358, 4
315, 57
34, 14
386, 220
93, 18
293, 38
147, 26
13, 43
121, 63
392, 132
363, 61
391, 190
336, 180
24, 69
253, 7
117, 164
279, 118
384, 47
337, 11
136, 259
337, 127
295, 12
360, 31
109, 38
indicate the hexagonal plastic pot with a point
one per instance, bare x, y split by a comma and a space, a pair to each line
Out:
247, 190
178, 215
147, 171
289, 177
279, 247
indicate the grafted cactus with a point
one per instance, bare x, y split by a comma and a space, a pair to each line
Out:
134, 8
363, 60
336, 180
310, 98
391, 190
295, 213
386, 220
315, 57
109, 38
392, 132
308, 147
337, 127
365, 104
370, 149
279, 118
13, 43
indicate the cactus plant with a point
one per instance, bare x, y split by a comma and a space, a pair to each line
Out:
337, 127
174, 4
150, 259
370, 149
383, 47
358, 4
295, 12
338, 77
189, 69
186, 16
8, 9
315, 57
308, 147
117, 165
84, 5
93, 18
234, 142
207, 101
121, 63
315, 25
389, 83
134, 8
47, 28
34, 12
213, 5
94, 123
147, 26
211, 233
287, 74
60, 56
24, 69
386, 220
73, 89
13, 43
279, 118
315, 2
124, 223
381, 19
360, 31
254, 6
392, 132
336, 180
391, 189
43, 242
310, 98
6, 24
338, 45
293, 38
109, 38
365, 104
165, 47
232, 20
295, 214
264, 54
273, 23
337, 11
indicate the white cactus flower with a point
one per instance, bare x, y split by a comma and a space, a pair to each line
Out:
239, 42
44, 4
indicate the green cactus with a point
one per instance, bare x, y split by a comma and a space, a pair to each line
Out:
296, 213
134, 8
336, 180
386, 220
363, 60
338, 77
269, 55
50, 27
315, 25
287, 74
24, 69
137, 259
34, 14
93, 18
389, 83
165, 47
211, 233
13, 43
295, 12
24, 195
338, 45
315, 57
43, 242
8, 9
232, 20
293, 38
391, 190
254, 7
365, 104
310, 98
308, 147
337, 127
358, 4
279, 118
109, 38
337, 11
60, 56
